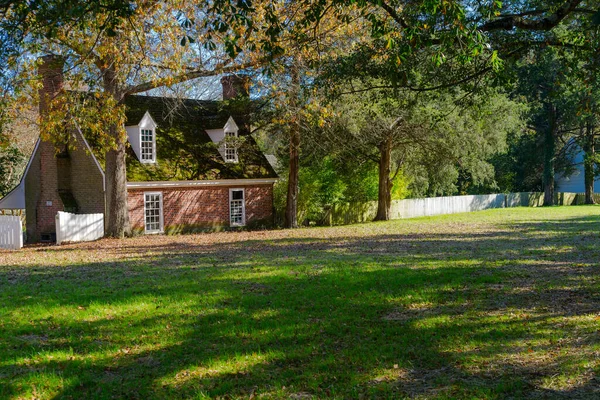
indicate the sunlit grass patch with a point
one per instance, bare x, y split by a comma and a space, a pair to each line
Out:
495, 304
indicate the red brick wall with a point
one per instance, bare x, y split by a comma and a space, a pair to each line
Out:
51, 72
207, 207
32, 194
259, 204
49, 202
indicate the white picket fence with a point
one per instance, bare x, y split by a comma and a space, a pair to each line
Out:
11, 232
412, 208
78, 227
350, 213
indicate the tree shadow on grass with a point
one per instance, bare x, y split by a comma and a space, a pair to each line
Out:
440, 315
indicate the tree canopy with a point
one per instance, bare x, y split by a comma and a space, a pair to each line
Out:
430, 64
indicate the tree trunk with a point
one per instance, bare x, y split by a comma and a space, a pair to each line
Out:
384, 199
291, 205
117, 210
549, 155
588, 163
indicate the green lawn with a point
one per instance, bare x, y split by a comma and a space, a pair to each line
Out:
495, 304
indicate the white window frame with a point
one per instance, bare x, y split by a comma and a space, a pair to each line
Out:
153, 160
225, 147
161, 213
231, 190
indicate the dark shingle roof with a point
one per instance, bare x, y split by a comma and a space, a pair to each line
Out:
184, 149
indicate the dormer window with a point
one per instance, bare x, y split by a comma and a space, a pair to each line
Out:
142, 138
225, 138
147, 146
231, 153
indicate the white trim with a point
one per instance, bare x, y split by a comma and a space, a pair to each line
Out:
162, 226
231, 126
219, 182
94, 158
147, 114
243, 206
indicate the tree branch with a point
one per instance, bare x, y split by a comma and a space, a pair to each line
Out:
510, 22
168, 81
392, 12
398, 167
424, 89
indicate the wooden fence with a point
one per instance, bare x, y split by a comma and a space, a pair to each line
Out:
350, 213
11, 232
78, 227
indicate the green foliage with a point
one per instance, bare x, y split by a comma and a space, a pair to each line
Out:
549, 81
519, 169
12, 163
319, 187
4, 137
330, 181
24, 24
442, 141
93, 114
22, 20
468, 132
362, 181
401, 186
443, 145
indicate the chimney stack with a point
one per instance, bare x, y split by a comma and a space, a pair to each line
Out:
234, 86
51, 72
48, 201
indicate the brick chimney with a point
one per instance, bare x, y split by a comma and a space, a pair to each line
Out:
49, 202
235, 85
51, 72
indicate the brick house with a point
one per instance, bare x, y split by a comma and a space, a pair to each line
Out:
190, 167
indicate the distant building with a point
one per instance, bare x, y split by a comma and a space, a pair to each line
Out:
574, 181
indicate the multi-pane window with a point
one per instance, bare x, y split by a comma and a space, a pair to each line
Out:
153, 211
237, 208
147, 145
231, 154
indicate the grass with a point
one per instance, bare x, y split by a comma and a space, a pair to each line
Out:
494, 304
